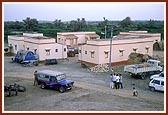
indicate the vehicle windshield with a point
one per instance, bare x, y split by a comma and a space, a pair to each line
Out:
161, 74
61, 77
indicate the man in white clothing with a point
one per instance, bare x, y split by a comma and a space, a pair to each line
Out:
111, 81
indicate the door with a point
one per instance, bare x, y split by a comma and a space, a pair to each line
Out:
53, 82
162, 86
156, 84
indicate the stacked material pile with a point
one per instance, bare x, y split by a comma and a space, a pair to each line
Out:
99, 68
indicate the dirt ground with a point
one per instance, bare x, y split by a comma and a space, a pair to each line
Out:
91, 91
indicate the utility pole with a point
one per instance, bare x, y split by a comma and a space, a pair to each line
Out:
111, 47
105, 33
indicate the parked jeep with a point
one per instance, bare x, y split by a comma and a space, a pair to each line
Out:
54, 80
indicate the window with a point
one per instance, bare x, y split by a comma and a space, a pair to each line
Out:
121, 52
85, 52
15, 47
47, 51
53, 79
56, 50
41, 75
71, 41
59, 39
135, 49
106, 54
162, 83
147, 49
46, 76
79, 51
64, 49
24, 47
156, 82
92, 54
35, 51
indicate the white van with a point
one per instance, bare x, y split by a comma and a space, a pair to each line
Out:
157, 75
157, 84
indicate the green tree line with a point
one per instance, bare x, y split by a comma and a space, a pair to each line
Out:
51, 28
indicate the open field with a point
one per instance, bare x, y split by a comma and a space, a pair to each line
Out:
91, 91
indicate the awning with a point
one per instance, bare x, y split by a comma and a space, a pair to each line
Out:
70, 36
93, 35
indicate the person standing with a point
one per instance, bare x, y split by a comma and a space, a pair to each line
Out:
135, 92
35, 78
117, 81
120, 81
111, 81
114, 81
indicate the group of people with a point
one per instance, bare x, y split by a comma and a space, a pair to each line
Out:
116, 81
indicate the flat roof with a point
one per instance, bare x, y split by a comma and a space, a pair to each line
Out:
40, 37
70, 36
93, 35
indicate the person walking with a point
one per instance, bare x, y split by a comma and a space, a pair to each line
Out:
35, 78
111, 81
117, 81
120, 81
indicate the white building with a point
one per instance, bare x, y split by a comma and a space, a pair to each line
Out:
44, 47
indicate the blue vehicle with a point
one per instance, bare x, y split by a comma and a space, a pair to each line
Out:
54, 80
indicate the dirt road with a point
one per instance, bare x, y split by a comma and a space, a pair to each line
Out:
91, 91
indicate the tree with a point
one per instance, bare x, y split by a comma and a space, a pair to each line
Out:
78, 25
126, 22
31, 24
58, 23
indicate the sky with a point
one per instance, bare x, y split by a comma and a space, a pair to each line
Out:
92, 11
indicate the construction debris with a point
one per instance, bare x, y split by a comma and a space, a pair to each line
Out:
99, 68
137, 58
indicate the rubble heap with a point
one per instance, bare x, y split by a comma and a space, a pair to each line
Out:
137, 58
99, 68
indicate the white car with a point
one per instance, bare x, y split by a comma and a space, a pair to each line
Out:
157, 84
157, 75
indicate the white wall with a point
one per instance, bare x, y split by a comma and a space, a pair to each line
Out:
16, 40
40, 44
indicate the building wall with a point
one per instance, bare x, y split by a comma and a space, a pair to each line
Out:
121, 49
89, 53
59, 54
16, 42
155, 36
44, 48
81, 37
61, 39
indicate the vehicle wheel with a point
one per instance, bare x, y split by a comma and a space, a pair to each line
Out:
8, 93
143, 76
70, 88
152, 88
43, 86
61, 89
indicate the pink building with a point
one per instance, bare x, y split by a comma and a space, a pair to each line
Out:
44, 47
75, 38
98, 51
